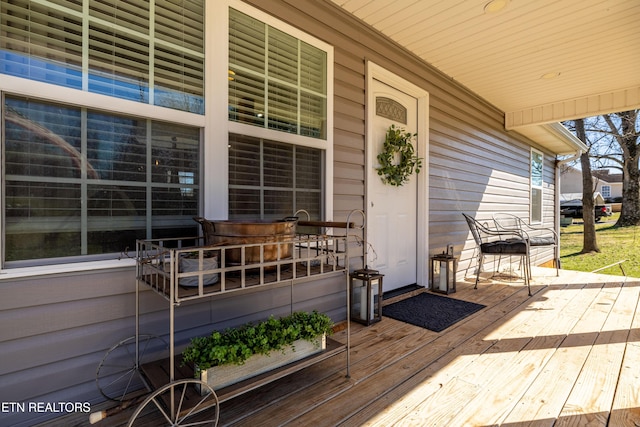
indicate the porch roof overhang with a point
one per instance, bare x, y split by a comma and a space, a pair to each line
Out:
540, 62
554, 137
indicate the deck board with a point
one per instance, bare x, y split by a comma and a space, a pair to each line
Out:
568, 355
544, 403
591, 399
625, 409
455, 354
519, 355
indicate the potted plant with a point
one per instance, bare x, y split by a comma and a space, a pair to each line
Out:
224, 358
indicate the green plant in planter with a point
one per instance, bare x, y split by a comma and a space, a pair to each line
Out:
236, 345
398, 159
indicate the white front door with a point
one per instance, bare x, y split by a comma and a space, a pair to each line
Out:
392, 212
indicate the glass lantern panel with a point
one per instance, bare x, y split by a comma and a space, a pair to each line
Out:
375, 298
451, 273
441, 270
359, 300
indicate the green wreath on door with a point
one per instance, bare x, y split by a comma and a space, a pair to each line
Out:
398, 159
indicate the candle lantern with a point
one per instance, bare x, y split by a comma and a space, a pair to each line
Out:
443, 272
366, 296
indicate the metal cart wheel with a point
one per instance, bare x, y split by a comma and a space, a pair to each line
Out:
188, 407
118, 373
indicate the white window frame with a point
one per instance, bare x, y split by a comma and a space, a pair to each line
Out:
536, 187
218, 127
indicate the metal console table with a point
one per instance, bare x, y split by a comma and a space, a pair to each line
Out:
172, 388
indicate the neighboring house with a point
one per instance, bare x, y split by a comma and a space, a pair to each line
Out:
607, 184
111, 134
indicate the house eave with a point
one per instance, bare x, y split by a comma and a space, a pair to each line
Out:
553, 137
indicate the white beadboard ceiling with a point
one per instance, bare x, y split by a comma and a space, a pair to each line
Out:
590, 48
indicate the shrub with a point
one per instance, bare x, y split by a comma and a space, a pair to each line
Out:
236, 345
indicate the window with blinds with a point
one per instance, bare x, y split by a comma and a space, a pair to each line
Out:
272, 180
277, 81
87, 183
178, 56
45, 41
42, 43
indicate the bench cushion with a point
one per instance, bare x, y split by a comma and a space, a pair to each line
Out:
542, 241
517, 247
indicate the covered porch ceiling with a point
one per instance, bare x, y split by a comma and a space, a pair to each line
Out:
541, 62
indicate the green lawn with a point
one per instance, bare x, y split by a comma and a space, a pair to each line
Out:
616, 244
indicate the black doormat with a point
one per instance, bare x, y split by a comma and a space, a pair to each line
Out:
430, 311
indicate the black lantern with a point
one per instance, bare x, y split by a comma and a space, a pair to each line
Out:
366, 296
443, 272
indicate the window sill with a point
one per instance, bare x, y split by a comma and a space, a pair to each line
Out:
46, 270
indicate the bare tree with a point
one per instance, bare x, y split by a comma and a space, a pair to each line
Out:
623, 128
589, 243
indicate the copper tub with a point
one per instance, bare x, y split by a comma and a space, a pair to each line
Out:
252, 233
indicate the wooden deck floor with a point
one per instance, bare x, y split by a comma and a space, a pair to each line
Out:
567, 356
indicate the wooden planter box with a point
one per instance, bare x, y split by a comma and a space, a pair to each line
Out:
221, 376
